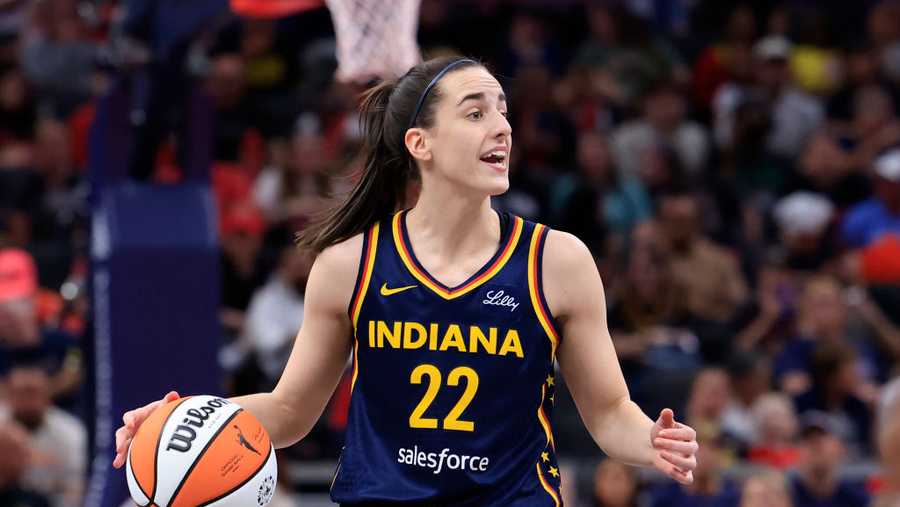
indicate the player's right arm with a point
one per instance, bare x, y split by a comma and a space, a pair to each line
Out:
316, 363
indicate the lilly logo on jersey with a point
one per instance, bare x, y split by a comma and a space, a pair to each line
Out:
499, 298
185, 434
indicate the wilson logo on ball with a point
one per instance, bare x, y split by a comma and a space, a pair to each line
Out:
184, 434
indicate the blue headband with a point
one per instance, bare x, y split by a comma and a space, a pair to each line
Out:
412, 121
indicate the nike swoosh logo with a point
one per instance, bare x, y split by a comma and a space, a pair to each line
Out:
385, 291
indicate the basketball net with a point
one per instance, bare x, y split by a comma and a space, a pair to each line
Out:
375, 38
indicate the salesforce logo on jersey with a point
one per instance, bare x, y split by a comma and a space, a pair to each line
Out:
439, 461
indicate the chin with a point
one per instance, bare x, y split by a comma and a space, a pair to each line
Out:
498, 187
487, 185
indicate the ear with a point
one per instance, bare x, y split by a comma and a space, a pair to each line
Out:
417, 143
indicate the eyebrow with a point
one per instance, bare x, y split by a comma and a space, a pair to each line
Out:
479, 96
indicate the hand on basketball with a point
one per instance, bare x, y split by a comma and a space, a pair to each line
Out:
132, 421
676, 447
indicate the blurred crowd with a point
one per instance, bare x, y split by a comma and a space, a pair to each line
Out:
734, 167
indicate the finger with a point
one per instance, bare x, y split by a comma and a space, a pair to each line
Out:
682, 477
681, 462
685, 433
669, 469
122, 435
171, 396
679, 446
666, 418
690, 430
119, 460
126, 441
128, 419
138, 416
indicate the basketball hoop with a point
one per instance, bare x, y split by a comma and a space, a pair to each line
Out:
375, 38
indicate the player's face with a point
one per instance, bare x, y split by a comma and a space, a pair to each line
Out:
471, 138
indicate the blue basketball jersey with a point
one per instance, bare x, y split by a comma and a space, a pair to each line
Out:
452, 387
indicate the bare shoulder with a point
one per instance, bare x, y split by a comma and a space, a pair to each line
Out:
564, 251
333, 275
342, 256
570, 275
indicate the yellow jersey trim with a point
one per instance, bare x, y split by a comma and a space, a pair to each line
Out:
546, 485
542, 313
368, 267
425, 278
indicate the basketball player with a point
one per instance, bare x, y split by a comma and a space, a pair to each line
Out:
454, 315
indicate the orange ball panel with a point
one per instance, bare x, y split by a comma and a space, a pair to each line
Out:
233, 457
144, 445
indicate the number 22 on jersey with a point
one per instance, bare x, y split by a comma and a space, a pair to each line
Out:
452, 421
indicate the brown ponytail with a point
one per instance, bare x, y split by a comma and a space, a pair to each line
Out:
385, 112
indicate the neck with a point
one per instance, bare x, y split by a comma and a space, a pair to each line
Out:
820, 482
454, 224
834, 398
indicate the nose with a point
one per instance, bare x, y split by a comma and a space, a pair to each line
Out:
502, 128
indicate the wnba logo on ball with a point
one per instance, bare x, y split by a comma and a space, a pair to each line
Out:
185, 434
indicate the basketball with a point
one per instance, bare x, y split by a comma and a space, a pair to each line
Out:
201, 451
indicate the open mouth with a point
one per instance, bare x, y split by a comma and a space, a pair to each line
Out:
496, 159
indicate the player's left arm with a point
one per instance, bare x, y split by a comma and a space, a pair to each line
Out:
574, 292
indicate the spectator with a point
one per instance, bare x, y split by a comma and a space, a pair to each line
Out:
17, 105
276, 312
58, 441
817, 482
22, 338
627, 54
795, 115
528, 44
863, 68
59, 216
875, 126
834, 396
599, 198
292, 189
615, 485
776, 425
710, 396
227, 86
735, 90
882, 23
58, 57
726, 60
714, 291
14, 460
712, 284
803, 219
242, 229
767, 489
868, 220
749, 374
829, 315
663, 121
